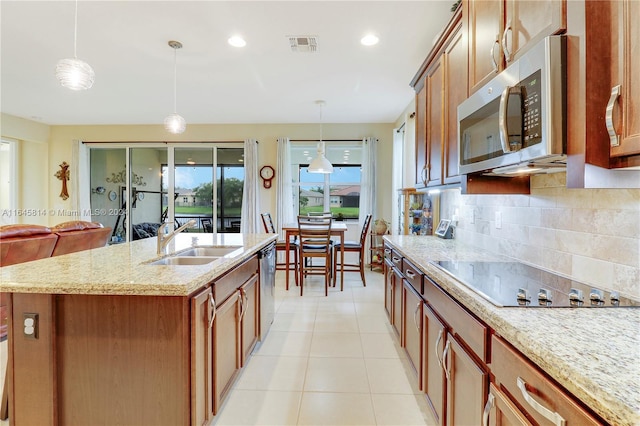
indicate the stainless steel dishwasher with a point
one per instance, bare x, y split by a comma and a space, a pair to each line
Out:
267, 258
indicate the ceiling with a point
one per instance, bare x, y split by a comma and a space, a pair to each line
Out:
264, 82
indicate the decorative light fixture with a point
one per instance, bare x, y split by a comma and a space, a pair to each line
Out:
369, 40
237, 41
174, 123
320, 164
74, 73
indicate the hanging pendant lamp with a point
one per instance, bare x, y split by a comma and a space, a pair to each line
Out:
320, 164
74, 73
174, 123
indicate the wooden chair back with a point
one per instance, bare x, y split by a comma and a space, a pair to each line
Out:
267, 222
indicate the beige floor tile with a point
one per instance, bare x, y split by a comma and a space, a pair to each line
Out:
370, 308
336, 345
295, 321
330, 306
336, 409
389, 376
401, 410
380, 345
336, 375
273, 373
373, 324
249, 407
284, 343
336, 323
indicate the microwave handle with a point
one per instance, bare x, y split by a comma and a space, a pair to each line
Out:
502, 116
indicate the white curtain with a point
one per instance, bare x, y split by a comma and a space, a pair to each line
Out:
80, 181
284, 188
250, 193
368, 184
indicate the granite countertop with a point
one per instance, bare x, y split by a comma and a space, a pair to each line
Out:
124, 269
594, 353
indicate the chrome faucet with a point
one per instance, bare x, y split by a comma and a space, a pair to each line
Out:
165, 237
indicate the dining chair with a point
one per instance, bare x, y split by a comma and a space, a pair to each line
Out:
207, 225
281, 246
352, 246
315, 242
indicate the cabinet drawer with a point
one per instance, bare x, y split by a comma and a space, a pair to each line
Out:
412, 274
511, 367
396, 259
473, 332
232, 280
387, 253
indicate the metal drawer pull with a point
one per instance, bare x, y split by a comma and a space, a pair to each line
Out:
552, 416
614, 139
487, 409
395, 259
387, 251
212, 303
436, 347
505, 48
410, 274
444, 359
493, 56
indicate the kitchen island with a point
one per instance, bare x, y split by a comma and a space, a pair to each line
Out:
106, 337
593, 353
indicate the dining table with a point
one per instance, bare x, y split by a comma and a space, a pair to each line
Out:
291, 230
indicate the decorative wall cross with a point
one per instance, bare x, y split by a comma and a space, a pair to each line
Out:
63, 175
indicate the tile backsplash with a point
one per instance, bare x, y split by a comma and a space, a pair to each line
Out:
590, 235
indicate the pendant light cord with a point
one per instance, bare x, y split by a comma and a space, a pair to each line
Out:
175, 80
75, 33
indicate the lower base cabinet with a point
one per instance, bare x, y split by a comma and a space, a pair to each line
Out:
500, 411
202, 316
249, 317
412, 328
433, 378
226, 341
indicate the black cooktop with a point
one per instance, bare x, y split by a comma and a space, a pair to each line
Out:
517, 284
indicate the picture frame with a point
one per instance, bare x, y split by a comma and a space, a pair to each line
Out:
444, 229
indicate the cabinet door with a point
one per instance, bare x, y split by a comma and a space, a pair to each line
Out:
388, 288
484, 27
455, 92
396, 320
249, 317
500, 411
421, 133
435, 128
625, 68
202, 312
528, 22
412, 327
467, 386
433, 379
226, 347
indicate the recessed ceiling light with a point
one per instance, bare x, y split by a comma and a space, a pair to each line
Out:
237, 41
369, 40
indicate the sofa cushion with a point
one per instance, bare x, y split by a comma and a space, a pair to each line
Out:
21, 231
76, 236
76, 225
24, 243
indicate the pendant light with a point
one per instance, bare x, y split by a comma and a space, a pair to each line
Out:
320, 164
74, 73
174, 123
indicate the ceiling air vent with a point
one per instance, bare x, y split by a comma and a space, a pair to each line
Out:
303, 43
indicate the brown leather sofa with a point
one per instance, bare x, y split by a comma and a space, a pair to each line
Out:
78, 235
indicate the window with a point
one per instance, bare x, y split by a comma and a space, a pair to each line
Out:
338, 192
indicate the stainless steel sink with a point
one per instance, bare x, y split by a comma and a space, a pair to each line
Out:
209, 251
185, 260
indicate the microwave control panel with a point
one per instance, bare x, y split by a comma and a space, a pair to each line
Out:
532, 125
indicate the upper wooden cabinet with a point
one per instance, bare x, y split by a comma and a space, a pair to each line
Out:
438, 92
500, 31
612, 56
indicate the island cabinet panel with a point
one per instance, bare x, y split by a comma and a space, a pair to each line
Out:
249, 317
202, 315
500, 411
513, 373
433, 379
121, 360
32, 387
226, 342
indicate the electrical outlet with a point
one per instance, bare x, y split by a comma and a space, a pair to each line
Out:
30, 322
498, 220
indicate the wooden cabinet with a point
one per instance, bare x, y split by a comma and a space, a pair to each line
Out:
540, 398
388, 287
249, 317
467, 384
612, 59
412, 328
500, 411
202, 315
433, 383
396, 283
226, 341
498, 32
437, 101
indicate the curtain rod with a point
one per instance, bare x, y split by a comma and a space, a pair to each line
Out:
156, 142
325, 140
399, 129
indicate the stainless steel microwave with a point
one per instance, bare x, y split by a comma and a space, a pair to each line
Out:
516, 123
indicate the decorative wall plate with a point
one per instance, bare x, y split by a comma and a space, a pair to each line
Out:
113, 195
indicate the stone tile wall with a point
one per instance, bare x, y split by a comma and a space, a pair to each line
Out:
590, 235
